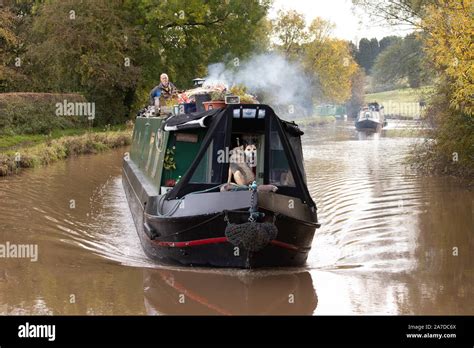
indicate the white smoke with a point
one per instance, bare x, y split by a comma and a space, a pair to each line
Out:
274, 79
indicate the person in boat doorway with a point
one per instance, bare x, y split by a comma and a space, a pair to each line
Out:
166, 89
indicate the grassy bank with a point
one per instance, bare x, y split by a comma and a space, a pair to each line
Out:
314, 121
17, 141
43, 151
401, 103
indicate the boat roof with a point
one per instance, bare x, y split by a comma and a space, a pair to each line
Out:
221, 123
189, 121
196, 120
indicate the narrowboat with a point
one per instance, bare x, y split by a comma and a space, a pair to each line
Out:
187, 212
371, 117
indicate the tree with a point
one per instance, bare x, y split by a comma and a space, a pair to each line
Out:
320, 30
290, 30
364, 54
356, 101
403, 60
183, 38
332, 67
353, 50
450, 46
368, 50
86, 47
387, 41
367, 53
447, 28
396, 12
10, 45
374, 51
115, 52
328, 62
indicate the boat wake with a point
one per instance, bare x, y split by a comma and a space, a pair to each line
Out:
367, 204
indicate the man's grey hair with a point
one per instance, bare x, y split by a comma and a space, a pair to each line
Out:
164, 75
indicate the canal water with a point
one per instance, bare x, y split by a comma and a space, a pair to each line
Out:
391, 241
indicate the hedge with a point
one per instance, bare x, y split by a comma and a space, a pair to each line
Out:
35, 113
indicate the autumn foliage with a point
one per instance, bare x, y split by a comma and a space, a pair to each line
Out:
450, 45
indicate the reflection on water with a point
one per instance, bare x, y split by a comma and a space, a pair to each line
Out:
368, 135
391, 242
228, 293
400, 243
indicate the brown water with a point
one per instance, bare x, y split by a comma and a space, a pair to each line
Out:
391, 242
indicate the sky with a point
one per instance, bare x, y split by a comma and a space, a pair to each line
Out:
350, 25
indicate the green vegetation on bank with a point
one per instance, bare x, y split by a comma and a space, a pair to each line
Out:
400, 95
445, 29
12, 142
113, 52
401, 102
449, 146
314, 121
33, 133
403, 63
36, 113
13, 160
67, 47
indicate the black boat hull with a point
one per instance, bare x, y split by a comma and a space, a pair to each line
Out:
368, 124
290, 249
200, 240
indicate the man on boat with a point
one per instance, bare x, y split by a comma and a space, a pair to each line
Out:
166, 89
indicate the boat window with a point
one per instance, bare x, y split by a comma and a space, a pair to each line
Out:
259, 170
295, 144
211, 166
280, 172
253, 148
203, 173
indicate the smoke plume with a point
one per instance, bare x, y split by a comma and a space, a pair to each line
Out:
272, 78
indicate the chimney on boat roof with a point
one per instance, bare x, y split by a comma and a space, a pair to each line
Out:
198, 82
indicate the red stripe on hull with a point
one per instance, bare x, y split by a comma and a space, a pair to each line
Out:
216, 240
191, 242
284, 245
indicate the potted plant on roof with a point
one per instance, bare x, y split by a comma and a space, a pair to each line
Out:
241, 92
217, 100
167, 105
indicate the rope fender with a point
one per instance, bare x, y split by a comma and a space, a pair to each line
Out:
251, 235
